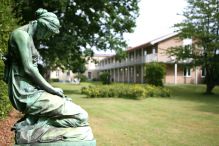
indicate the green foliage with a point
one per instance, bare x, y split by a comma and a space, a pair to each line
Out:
200, 24
5, 105
133, 91
105, 78
82, 77
1, 70
86, 24
79, 68
154, 73
7, 24
54, 80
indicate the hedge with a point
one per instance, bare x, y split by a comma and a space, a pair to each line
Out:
133, 91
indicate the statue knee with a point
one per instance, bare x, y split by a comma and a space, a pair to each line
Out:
84, 116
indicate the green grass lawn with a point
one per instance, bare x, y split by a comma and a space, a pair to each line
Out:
187, 118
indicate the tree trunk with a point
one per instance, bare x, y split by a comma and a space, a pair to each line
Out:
210, 82
209, 87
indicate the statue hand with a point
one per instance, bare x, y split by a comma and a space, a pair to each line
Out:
59, 92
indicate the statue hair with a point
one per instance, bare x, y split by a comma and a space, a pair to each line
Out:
48, 19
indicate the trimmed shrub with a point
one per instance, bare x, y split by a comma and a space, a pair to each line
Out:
54, 80
132, 91
82, 77
95, 79
105, 78
154, 73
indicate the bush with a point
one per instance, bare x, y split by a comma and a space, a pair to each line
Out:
82, 77
95, 79
154, 73
154, 91
133, 91
54, 80
105, 78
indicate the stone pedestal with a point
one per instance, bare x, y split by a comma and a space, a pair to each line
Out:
63, 143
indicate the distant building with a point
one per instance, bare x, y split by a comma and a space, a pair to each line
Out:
131, 69
91, 72
62, 76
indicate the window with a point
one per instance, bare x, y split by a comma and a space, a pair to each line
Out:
145, 52
187, 71
57, 73
154, 50
203, 71
68, 73
187, 41
138, 53
89, 75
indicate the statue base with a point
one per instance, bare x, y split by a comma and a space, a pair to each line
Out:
42, 133
63, 143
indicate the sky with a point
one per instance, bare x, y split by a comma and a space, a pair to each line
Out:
156, 19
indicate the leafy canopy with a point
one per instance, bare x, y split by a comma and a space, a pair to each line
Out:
86, 25
202, 25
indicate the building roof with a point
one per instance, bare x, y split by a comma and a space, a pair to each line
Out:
103, 55
149, 43
154, 41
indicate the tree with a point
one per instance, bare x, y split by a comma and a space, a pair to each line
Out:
154, 73
86, 25
105, 78
202, 25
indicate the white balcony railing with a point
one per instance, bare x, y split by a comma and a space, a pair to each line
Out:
128, 62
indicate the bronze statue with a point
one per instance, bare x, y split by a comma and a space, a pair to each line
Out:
49, 115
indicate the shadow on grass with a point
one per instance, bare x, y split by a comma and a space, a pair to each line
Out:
210, 108
209, 103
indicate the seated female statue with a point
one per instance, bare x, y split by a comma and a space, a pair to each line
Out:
45, 107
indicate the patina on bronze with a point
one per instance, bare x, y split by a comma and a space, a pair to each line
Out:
49, 115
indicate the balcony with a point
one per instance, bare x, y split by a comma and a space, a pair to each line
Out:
129, 62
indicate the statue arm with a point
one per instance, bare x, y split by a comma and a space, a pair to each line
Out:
22, 40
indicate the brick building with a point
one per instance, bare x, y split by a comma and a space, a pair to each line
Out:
131, 69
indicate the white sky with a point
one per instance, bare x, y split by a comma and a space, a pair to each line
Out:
156, 19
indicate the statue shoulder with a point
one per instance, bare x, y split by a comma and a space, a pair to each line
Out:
20, 35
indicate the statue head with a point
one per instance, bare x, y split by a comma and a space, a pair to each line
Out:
47, 23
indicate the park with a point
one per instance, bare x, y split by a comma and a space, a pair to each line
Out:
56, 90
187, 118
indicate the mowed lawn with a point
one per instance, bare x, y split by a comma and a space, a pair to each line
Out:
187, 118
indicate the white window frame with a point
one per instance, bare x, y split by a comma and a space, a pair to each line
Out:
203, 69
188, 72
57, 73
145, 52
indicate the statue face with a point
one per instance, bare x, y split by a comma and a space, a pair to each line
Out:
43, 33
